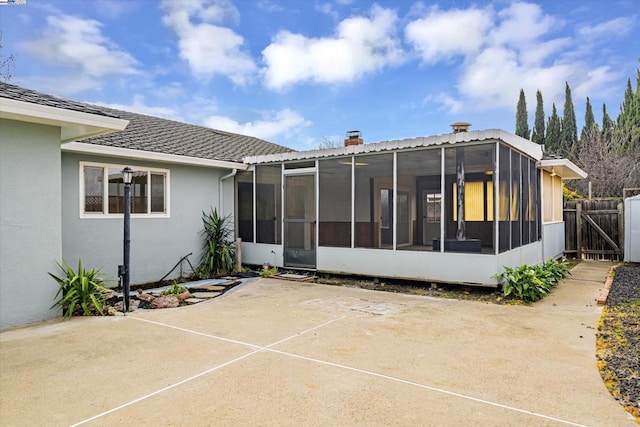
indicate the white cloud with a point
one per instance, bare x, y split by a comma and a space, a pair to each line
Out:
447, 103
113, 9
507, 49
494, 78
614, 28
443, 34
360, 46
596, 80
78, 44
209, 49
282, 123
138, 106
520, 25
269, 6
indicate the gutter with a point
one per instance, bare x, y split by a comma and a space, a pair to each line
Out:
220, 198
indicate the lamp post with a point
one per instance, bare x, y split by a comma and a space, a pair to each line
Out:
127, 176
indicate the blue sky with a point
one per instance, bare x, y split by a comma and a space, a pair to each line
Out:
298, 72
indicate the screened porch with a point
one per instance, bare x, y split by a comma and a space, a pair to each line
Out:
427, 210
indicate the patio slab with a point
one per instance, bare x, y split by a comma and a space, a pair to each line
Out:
276, 352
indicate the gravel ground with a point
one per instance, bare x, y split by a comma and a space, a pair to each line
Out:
618, 339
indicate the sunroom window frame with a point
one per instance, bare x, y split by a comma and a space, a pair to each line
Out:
105, 190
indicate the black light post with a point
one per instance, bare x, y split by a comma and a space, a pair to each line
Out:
127, 176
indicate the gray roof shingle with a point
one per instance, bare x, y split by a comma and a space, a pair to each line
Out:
158, 135
18, 93
170, 137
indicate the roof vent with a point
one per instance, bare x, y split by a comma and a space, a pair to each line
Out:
354, 137
460, 127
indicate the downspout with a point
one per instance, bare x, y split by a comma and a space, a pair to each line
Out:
220, 198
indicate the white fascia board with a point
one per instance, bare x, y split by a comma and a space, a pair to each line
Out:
564, 168
525, 146
73, 124
128, 153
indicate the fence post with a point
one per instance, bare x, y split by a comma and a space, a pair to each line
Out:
579, 229
621, 229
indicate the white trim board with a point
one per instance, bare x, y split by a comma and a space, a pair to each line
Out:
128, 153
74, 124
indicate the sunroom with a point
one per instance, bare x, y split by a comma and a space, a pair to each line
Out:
449, 208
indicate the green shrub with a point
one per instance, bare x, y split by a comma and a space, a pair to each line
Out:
175, 289
532, 283
80, 291
218, 255
268, 272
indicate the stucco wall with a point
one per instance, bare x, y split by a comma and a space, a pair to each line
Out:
30, 223
157, 244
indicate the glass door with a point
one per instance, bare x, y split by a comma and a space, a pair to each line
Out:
300, 221
431, 200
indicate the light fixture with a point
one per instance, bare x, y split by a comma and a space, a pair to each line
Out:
553, 172
127, 175
356, 163
123, 270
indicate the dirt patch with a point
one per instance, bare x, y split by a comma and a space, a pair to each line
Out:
487, 295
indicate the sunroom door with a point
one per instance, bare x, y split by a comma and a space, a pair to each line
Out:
300, 221
431, 200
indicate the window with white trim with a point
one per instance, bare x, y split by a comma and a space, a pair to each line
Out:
102, 190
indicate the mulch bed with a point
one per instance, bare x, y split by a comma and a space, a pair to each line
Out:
618, 339
488, 295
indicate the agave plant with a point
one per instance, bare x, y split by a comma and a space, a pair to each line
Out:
218, 255
79, 291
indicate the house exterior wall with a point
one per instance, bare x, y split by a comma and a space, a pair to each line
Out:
632, 229
30, 220
448, 267
157, 244
553, 240
421, 265
552, 197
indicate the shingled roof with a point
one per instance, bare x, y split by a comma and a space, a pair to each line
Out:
155, 134
18, 93
170, 137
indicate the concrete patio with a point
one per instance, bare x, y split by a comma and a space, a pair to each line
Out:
273, 352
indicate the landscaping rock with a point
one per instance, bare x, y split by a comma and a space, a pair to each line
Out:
165, 301
209, 288
183, 296
206, 295
133, 305
145, 296
194, 300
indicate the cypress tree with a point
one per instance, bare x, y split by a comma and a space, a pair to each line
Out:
629, 118
607, 123
552, 138
522, 120
626, 109
569, 131
538, 127
589, 122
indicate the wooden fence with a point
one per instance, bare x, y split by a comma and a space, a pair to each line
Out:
594, 229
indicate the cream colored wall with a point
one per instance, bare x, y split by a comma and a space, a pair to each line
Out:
557, 198
552, 197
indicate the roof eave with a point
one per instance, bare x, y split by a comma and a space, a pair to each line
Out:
74, 125
530, 148
564, 168
128, 153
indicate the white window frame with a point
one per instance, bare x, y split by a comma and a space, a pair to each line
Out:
105, 182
